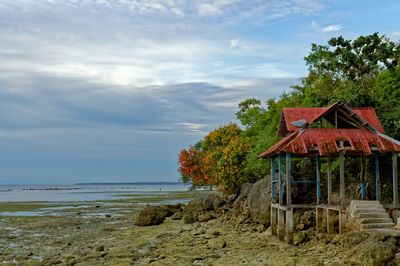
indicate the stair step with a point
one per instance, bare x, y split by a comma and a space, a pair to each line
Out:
369, 211
364, 201
376, 220
372, 215
377, 225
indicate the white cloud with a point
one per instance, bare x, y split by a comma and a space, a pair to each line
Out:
234, 43
332, 28
325, 29
396, 33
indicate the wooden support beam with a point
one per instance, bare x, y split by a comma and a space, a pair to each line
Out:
280, 178
330, 221
377, 186
342, 220
288, 179
395, 179
362, 176
318, 177
274, 220
273, 178
319, 212
342, 188
281, 225
329, 180
336, 124
289, 226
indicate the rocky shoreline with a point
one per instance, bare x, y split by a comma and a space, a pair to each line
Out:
210, 230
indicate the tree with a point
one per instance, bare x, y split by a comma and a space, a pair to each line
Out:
346, 69
194, 167
226, 149
387, 89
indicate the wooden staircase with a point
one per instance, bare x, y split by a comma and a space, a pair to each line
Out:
370, 214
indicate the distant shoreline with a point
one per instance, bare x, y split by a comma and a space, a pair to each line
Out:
130, 183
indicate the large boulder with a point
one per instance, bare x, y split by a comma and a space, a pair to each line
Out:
206, 203
151, 216
259, 200
240, 202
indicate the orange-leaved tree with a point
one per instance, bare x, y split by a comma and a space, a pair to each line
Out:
194, 166
217, 160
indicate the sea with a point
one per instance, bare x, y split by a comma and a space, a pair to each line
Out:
84, 191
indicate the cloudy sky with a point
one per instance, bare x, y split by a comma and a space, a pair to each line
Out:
112, 90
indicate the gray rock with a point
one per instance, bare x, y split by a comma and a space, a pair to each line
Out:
189, 218
206, 203
259, 200
231, 199
240, 202
151, 216
204, 217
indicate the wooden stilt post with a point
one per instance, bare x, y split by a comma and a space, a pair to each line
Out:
280, 179
342, 220
319, 219
329, 180
342, 188
273, 181
274, 220
377, 186
362, 175
281, 224
395, 179
288, 180
289, 225
318, 177
330, 221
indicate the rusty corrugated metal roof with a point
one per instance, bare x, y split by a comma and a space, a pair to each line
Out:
290, 115
369, 115
325, 141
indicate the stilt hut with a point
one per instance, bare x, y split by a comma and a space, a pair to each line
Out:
325, 134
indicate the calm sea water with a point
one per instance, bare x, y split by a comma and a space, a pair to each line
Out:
84, 192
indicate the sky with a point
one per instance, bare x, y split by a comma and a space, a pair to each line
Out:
112, 90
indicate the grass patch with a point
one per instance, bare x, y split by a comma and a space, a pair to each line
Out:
20, 206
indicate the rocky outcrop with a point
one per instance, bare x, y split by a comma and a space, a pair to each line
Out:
259, 200
156, 214
206, 203
203, 208
370, 248
240, 202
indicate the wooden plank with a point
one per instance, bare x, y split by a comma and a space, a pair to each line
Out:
329, 180
280, 178
342, 188
377, 186
395, 179
288, 179
289, 226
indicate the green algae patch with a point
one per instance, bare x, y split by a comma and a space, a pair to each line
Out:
23, 206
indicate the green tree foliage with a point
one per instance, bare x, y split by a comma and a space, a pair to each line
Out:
387, 90
346, 70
